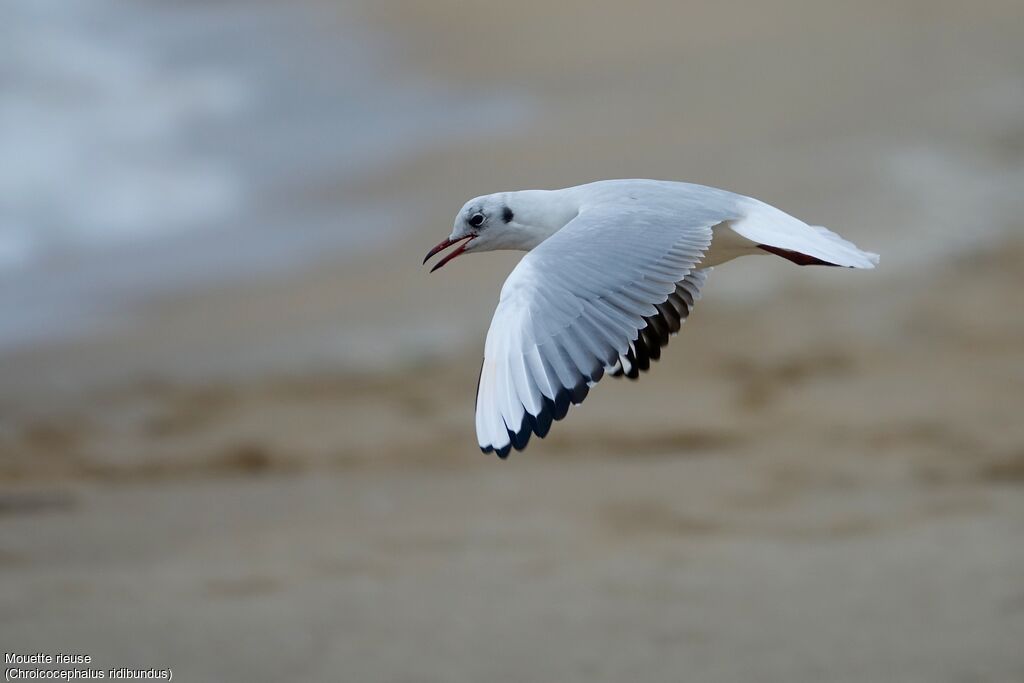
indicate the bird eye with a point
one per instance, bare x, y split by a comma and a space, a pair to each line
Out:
476, 220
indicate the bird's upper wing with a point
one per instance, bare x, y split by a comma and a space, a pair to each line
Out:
587, 298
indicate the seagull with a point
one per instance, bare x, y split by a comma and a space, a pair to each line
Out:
613, 269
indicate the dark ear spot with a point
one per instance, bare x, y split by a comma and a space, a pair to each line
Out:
506, 215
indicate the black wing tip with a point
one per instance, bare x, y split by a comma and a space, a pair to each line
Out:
559, 406
542, 421
521, 438
500, 452
579, 393
551, 411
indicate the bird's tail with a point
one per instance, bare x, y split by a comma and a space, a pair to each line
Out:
779, 233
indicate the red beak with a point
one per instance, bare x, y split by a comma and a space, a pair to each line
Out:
445, 245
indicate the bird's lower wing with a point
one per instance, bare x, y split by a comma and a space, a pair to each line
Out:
586, 297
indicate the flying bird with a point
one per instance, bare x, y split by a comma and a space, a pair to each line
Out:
613, 269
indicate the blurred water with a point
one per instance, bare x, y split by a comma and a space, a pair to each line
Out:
149, 146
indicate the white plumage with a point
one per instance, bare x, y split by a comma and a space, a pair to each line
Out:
613, 269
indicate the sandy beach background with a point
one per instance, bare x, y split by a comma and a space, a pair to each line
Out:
236, 414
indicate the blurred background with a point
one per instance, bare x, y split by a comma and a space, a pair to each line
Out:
236, 432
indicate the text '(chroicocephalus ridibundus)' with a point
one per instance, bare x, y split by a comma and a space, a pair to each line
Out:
614, 268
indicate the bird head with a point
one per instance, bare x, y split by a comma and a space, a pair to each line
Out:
506, 220
484, 224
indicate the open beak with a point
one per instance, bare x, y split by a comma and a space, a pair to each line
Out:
444, 245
